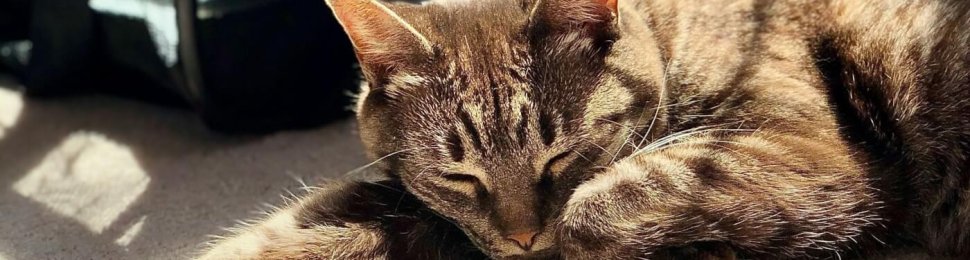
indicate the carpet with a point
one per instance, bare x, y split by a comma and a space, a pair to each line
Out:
98, 177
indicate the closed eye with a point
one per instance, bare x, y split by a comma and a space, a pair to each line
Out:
467, 183
461, 177
550, 170
554, 164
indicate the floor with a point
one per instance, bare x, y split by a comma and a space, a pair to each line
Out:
108, 178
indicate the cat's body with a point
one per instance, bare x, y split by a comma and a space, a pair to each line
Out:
636, 128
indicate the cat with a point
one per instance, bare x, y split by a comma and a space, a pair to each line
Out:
630, 129
350, 220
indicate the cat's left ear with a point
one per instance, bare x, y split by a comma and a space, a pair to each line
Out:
382, 40
594, 18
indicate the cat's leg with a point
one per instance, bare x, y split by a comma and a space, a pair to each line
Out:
790, 188
303, 230
765, 194
349, 220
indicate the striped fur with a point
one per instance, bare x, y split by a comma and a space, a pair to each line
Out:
673, 128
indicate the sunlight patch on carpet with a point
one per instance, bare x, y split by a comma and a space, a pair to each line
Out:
131, 233
88, 178
11, 104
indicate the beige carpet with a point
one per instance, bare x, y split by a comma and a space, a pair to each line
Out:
108, 178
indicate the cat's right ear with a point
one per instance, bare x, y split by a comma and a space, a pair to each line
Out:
382, 40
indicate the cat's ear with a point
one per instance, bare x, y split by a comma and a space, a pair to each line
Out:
596, 18
382, 40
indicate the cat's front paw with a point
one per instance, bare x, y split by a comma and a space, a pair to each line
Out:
602, 217
633, 212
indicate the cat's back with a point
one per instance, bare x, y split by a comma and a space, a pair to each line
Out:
915, 53
895, 72
899, 74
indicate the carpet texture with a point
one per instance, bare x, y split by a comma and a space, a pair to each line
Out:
108, 178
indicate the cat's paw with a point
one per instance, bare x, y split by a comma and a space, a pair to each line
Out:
633, 212
602, 217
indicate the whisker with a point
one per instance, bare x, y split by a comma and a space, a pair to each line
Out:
580, 155
628, 128
633, 131
623, 144
676, 137
691, 101
666, 140
422, 172
656, 114
598, 146
359, 169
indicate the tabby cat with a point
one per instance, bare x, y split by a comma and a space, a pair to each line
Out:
628, 129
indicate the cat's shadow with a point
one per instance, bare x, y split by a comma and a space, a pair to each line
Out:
197, 181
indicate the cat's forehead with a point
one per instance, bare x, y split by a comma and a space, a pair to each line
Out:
480, 45
490, 65
468, 25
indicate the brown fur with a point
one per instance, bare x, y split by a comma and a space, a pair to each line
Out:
671, 128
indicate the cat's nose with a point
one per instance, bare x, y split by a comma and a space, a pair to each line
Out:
523, 239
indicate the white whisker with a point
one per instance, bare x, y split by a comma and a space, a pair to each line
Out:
656, 114
660, 101
422, 172
581, 156
669, 139
598, 146
359, 169
628, 128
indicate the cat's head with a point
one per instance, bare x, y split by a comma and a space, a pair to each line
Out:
491, 112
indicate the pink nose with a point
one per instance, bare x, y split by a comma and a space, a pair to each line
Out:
524, 239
